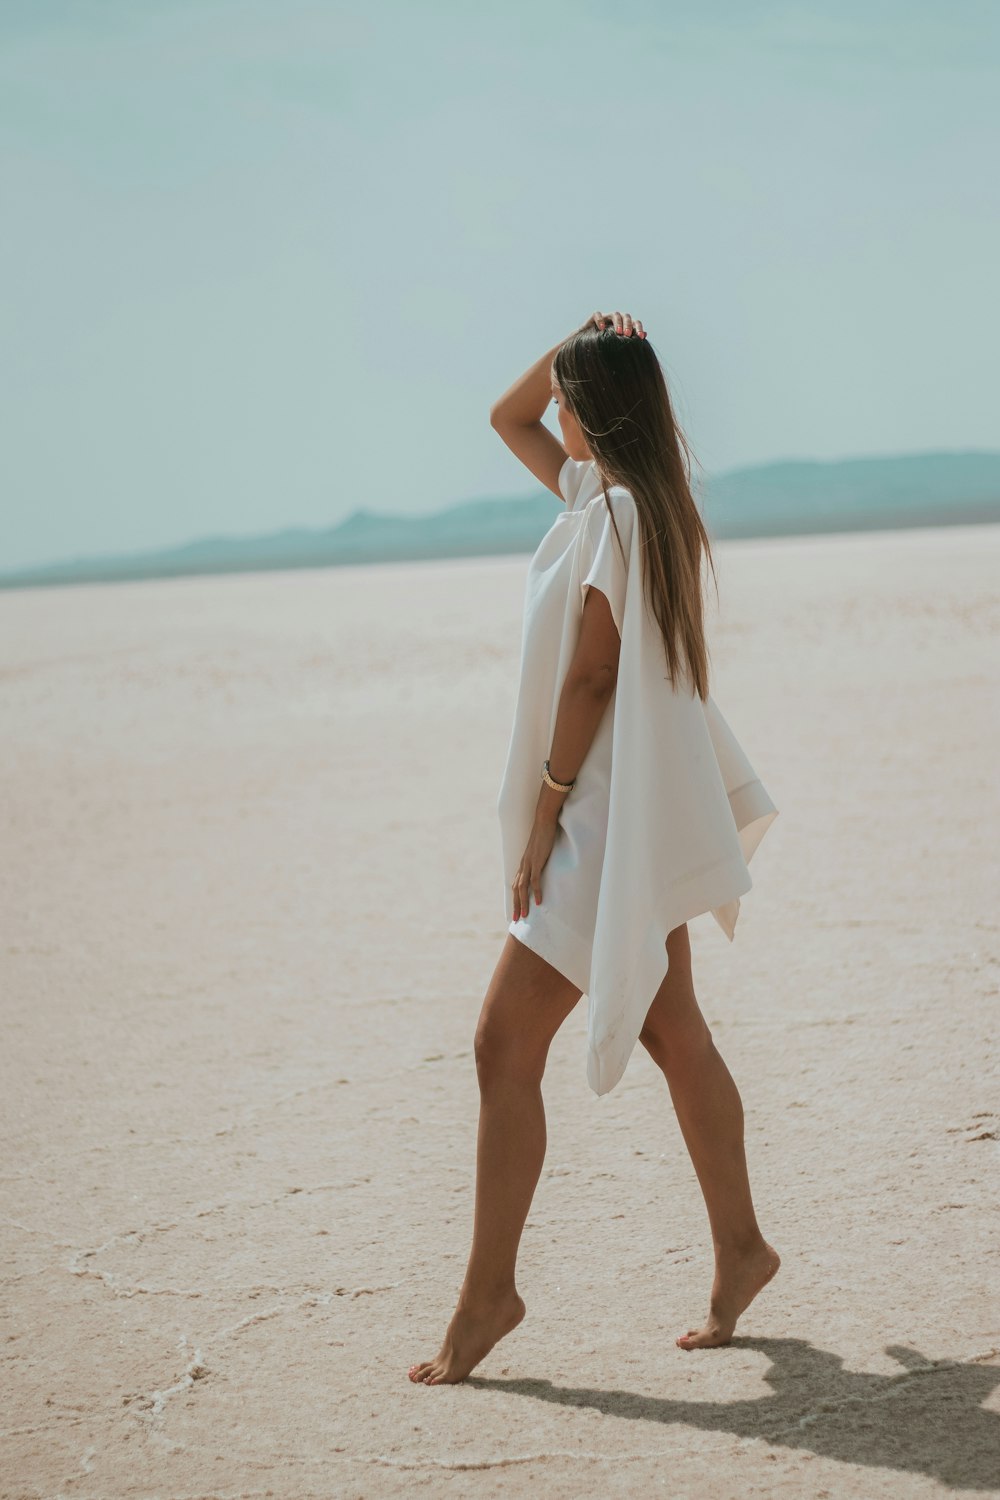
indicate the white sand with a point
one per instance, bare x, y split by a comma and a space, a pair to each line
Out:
251, 903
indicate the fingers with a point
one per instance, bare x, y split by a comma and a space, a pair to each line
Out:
619, 322
521, 888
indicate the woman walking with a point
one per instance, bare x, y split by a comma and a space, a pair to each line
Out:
627, 807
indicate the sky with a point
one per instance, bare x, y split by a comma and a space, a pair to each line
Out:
264, 264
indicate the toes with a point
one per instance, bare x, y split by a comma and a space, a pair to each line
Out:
703, 1338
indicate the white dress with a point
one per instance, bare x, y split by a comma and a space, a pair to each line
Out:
667, 809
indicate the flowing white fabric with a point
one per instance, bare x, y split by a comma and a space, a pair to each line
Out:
685, 809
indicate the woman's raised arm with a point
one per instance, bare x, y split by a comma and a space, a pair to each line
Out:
517, 417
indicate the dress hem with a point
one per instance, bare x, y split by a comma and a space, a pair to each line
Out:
716, 889
550, 938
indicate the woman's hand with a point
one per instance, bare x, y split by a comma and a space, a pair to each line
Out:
533, 861
622, 323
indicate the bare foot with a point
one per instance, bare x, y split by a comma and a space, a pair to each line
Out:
471, 1335
738, 1279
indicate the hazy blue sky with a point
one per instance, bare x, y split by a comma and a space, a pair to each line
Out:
265, 263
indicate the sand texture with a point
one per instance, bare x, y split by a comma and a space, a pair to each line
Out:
251, 901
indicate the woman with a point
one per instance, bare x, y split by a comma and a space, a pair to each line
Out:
627, 807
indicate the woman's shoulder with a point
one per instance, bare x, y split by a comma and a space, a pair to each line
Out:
609, 533
579, 481
621, 500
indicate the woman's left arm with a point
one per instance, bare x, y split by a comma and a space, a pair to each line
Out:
587, 689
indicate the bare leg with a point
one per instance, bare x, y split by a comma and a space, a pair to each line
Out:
526, 1003
710, 1115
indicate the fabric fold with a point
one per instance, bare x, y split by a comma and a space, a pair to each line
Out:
686, 812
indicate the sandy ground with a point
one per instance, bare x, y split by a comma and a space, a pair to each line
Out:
252, 898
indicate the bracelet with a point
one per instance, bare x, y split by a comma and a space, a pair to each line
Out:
559, 786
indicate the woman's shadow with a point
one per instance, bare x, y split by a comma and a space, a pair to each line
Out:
926, 1419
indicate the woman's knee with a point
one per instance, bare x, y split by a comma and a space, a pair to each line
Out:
675, 1032
505, 1059
503, 1056
677, 1042
526, 1003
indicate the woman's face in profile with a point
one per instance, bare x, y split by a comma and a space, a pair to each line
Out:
573, 439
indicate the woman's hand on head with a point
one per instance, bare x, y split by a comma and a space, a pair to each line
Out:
622, 323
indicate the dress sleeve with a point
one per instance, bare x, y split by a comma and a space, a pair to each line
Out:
605, 561
571, 477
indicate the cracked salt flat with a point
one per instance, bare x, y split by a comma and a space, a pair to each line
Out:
238, 1194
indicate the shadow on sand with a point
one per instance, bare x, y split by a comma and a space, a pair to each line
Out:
928, 1419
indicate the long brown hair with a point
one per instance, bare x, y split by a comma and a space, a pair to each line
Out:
616, 390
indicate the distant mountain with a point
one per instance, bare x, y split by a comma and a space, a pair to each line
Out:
791, 498
794, 497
